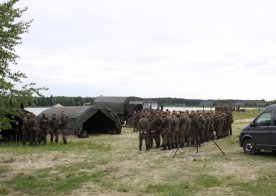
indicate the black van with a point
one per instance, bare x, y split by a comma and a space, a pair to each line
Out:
260, 134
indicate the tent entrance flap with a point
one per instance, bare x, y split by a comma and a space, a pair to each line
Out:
99, 123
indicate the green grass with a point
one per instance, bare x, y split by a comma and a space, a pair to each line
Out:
10, 160
64, 180
3, 169
101, 145
180, 188
112, 165
248, 114
4, 190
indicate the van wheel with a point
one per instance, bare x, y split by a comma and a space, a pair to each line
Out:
249, 147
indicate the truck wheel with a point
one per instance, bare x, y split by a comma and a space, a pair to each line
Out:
249, 147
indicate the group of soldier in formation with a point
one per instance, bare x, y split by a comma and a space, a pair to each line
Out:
36, 131
179, 129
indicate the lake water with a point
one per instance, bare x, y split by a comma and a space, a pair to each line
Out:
188, 108
196, 108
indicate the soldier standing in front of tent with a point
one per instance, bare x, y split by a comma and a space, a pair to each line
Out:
25, 129
32, 127
143, 128
44, 126
54, 128
63, 127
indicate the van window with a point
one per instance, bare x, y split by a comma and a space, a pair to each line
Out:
274, 120
264, 119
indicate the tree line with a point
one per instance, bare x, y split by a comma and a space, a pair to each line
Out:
166, 101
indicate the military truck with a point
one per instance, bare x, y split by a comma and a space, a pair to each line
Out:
125, 106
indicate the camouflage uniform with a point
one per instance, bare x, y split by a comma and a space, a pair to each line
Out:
157, 128
32, 126
25, 129
212, 126
44, 126
143, 128
224, 125
63, 127
54, 128
188, 129
135, 121
194, 133
207, 127
181, 131
229, 120
218, 124
151, 130
169, 131
164, 133
202, 123
174, 130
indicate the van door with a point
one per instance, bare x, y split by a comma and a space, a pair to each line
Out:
261, 130
272, 138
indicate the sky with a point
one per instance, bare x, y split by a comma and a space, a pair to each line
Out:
194, 49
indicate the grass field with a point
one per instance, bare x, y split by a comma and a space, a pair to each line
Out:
112, 165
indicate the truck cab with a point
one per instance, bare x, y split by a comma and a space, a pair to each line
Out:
124, 107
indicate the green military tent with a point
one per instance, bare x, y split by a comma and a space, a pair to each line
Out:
91, 119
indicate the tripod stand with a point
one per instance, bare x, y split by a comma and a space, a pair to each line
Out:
199, 146
218, 147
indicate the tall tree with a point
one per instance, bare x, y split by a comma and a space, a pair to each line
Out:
11, 95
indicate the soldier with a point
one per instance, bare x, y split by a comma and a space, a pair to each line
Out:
218, 124
224, 125
229, 120
151, 132
169, 130
166, 125
180, 133
207, 126
44, 126
32, 126
63, 126
174, 129
54, 128
143, 128
157, 128
188, 128
202, 123
25, 128
212, 126
194, 133
135, 121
